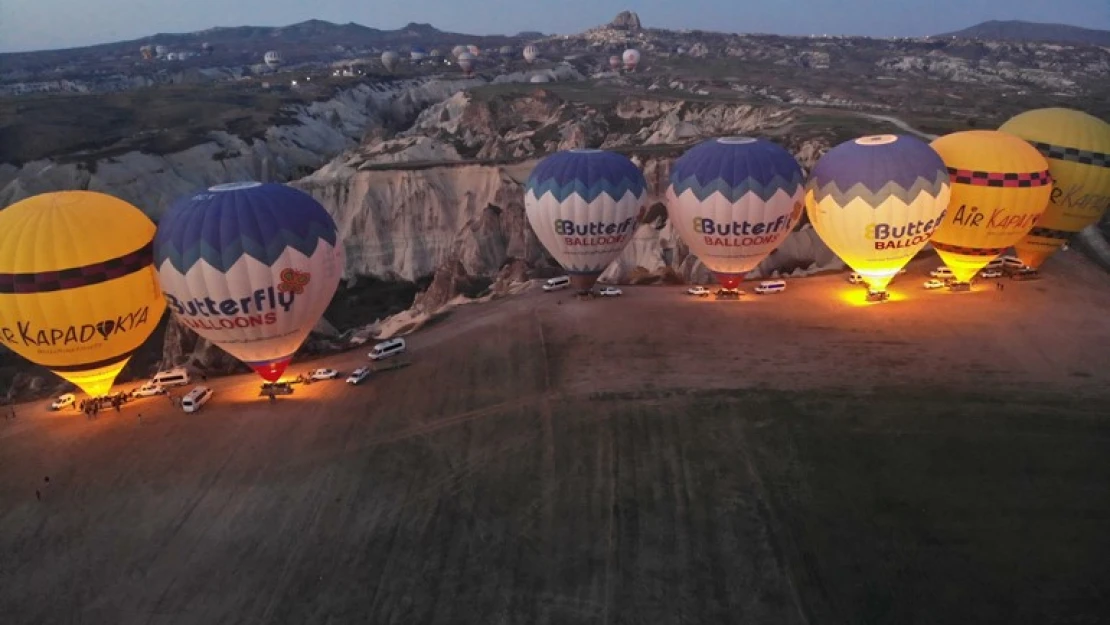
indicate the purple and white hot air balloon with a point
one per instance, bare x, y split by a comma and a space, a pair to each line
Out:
250, 267
631, 58
584, 206
734, 200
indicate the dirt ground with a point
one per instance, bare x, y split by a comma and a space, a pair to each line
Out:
656, 458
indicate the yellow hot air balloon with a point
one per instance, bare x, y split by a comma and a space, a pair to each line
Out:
1000, 187
78, 290
1077, 147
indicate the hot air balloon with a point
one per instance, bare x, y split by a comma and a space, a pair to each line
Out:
875, 201
584, 206
466, 63
1077, 147
475, 50
614, 62
147, 52
1000, 188
631, 58
272, 59
458, 50
733, 200
530, 53
506, 51
417, 53
250, 267
390, 60
78, 291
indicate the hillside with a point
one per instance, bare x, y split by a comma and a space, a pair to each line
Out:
1017, 30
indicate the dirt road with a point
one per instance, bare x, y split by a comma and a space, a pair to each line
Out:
796, 458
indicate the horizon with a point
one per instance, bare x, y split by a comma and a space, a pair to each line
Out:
48, 25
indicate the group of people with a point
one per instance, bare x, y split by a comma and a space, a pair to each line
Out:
91, 407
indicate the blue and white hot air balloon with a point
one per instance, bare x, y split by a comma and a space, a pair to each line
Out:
250, 267
584, 206
734, 200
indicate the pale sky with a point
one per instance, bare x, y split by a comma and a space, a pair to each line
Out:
44, 24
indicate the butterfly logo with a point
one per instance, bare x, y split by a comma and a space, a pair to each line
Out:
293, 281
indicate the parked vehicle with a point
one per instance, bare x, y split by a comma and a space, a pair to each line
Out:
855, 278
942, 272
149, 389
990, 273
358, 375
771, 286
610, 291
699, 291
554, 284
174, 377
196, 398
323, 374
387, 348
62, 401
934, 284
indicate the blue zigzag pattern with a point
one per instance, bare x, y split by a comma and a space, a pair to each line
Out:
588, 192
222, 257
734, 193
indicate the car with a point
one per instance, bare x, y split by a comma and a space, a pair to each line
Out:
699, 290
358, 375
387, 348
554, 284
934, 284
942, 272
610, 291
771, 286
1027, 273
149, 389
323, 374
990, 273
62, 401
855, 278
196, 398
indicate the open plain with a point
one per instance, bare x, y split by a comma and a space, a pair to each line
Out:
656, 458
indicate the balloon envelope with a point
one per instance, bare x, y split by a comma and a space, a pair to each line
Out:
1077, 147
250, 267
734, 200
1000, 188
631, 57
530, 53
875, 201
390, 59
466, 61
78, 291
584, 206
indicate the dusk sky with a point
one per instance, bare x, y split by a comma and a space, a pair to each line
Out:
43, 24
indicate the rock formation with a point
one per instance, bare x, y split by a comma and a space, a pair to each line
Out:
626, 20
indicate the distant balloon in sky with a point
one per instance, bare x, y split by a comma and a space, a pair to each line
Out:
584, 206
1077, 147
734, 200
390, 60
250, 267
631, 58
875, 201
78, 291
1000, 188
530, 53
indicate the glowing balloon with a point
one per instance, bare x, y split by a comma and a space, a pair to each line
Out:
78, 292
733, 201
250, 267
1077, 147
1000, 188
875, 201
584, 206
631, 58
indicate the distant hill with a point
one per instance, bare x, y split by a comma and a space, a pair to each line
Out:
302, 41
1016, 30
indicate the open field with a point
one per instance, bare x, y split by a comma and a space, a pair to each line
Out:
799, 458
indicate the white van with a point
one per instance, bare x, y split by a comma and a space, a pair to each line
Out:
387, 348
174, 377
942, 272
196, 398
554, 284
771, 286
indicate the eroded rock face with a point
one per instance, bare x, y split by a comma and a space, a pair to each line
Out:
626, 20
